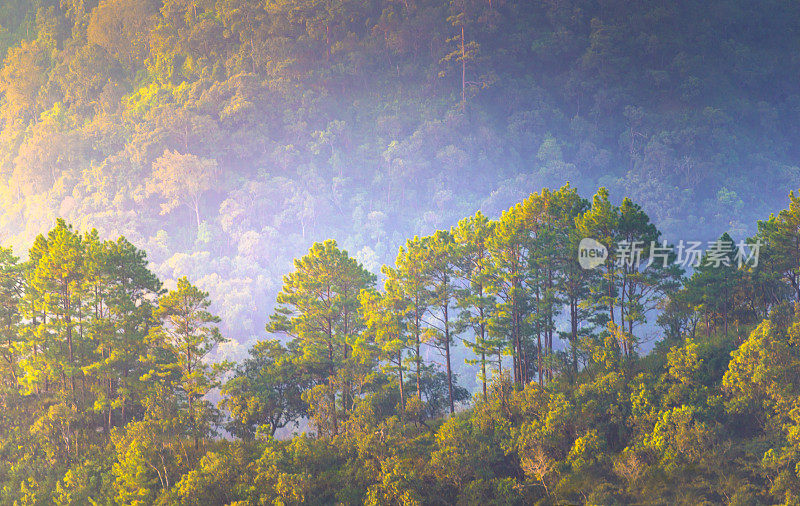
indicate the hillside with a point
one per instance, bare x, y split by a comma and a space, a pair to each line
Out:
106, 389
399, 252
224, 137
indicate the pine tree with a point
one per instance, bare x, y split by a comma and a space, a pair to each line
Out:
11, 291
712, 285
55, 347
440, 261
782, 240
406, 282
601, 223
385, 317
508, 274
187, 332
318, 309
473, 298
121, 295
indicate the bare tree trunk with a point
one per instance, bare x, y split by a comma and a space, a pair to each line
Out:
449, 371
402, 390
539, 374
573, 317
197, 213
610, 293
331, 385
463, 70
483, 340
416, 344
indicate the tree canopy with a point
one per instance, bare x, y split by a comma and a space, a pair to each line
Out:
114, 393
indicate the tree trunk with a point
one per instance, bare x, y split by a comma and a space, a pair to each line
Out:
197, 213
68, 321
334, 422
449, 370
539, 369
483, 340
463, 71
416, 344
573, 317
402, 390
610, 293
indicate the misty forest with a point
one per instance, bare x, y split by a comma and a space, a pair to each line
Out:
333, 252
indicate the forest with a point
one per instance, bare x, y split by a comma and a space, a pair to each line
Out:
107, 395
329, 252
296, 121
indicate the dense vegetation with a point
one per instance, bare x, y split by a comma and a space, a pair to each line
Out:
106, 393
226, 136
299, 120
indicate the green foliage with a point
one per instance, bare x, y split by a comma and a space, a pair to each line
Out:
108, 380
265, 393
367, 121
185, 334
